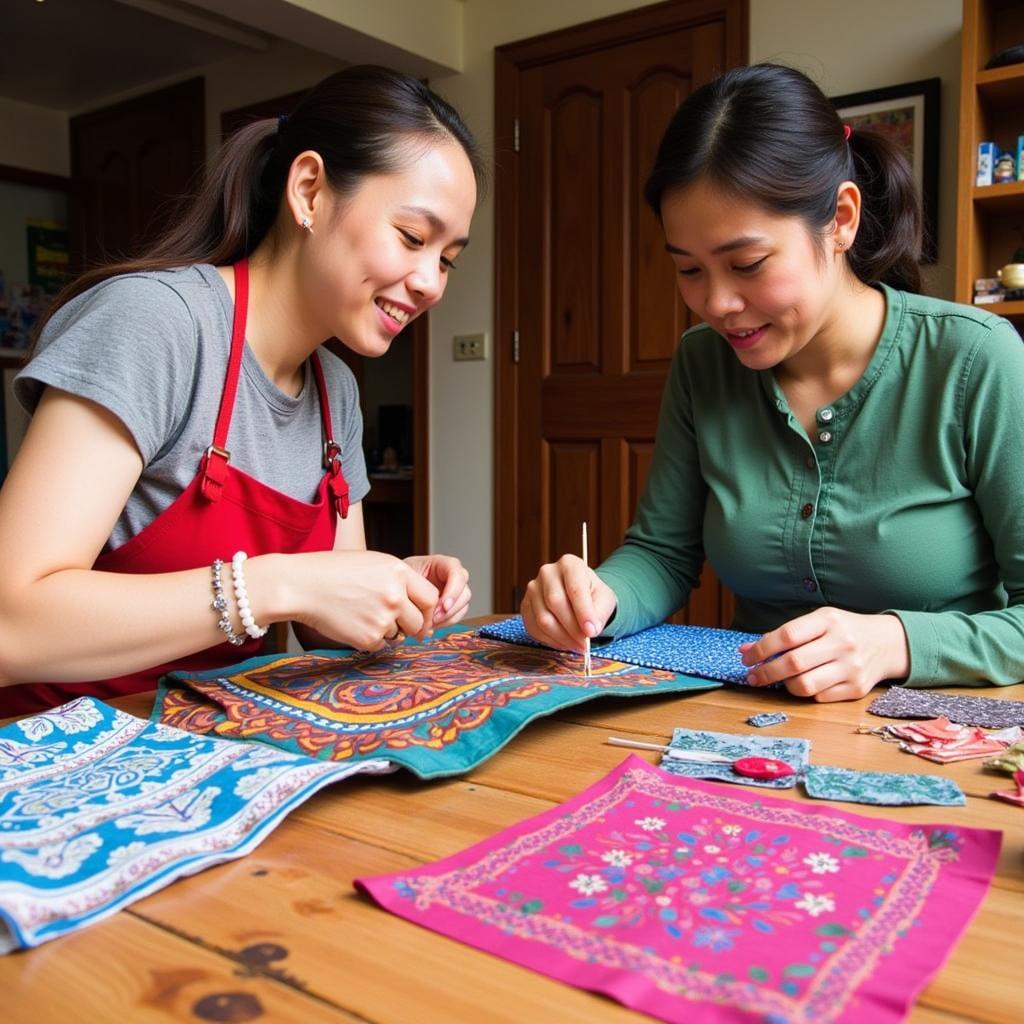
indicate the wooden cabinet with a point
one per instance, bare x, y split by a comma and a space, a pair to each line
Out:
990, 218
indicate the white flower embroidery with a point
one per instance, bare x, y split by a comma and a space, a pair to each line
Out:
617, 858
650, 824
587, 885
249, 785
712, 849
732, 830
815, 905
120, 854
821, 863
57, 860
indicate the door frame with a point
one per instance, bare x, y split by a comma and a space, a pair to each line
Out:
510, 62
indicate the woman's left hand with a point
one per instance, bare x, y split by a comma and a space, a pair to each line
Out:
450, 577
830, 654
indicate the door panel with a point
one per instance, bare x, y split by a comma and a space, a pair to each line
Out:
588, 285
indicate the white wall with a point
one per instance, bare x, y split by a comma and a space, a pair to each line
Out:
845, 47
852, 47
34, 138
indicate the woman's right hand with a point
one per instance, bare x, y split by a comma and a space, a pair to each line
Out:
362, 599
567, 603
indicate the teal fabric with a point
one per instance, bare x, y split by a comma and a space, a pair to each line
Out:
438, 708
886, 789
911, 502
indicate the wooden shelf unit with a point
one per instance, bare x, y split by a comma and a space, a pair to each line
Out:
990, 219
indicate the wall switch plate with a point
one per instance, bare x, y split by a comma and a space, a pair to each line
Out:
469, 346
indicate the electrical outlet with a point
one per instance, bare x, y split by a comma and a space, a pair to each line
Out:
469, 346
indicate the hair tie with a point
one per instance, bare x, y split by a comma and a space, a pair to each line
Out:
847, 132
282, 120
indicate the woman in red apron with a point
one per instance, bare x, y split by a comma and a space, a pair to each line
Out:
341, 220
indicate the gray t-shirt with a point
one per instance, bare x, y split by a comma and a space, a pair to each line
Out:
153, 349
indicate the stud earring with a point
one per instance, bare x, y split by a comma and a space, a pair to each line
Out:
307, 224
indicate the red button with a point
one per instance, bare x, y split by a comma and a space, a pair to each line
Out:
762, 768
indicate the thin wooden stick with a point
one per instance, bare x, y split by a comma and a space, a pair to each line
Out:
586, 640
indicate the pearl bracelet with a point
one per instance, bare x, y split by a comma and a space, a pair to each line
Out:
220, 605
242, 597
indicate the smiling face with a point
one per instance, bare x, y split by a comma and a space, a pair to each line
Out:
757, 278
381, 257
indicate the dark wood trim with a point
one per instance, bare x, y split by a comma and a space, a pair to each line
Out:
510, 61
421, 434
506, 301
36, 179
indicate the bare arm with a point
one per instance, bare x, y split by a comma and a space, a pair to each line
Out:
62, 621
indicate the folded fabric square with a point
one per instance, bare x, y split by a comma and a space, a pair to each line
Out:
704, 904
795, 752
943, 741
989, 712
438, 708
692, 650
99, 808
886, 789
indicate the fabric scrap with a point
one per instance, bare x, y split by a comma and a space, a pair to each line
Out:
885, 789
794, 751
767, 718
1010, 760
1013, 796
943, 741
988, 712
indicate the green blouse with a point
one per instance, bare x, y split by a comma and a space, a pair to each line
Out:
909, 496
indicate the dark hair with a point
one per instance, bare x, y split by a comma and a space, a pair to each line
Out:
769, 135
360, 120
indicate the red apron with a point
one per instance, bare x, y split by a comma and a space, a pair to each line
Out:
223, 510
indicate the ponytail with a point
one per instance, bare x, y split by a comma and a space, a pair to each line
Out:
888, 243
768, 135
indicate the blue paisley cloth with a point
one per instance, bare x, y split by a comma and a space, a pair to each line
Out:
795, 752
691, 650
99, 808
886, 789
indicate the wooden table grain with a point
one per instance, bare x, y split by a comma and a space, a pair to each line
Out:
281, 935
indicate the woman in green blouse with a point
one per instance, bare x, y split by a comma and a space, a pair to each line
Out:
847, 453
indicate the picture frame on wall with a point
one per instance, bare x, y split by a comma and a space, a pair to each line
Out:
909, 115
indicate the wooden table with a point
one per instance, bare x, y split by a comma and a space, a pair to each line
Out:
280, 935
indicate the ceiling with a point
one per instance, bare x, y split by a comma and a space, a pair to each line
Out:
69, 55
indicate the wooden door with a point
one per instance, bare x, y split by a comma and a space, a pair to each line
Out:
130, 165
588, 310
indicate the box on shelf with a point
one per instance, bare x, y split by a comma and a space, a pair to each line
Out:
986, 162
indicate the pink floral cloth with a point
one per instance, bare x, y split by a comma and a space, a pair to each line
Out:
697, 902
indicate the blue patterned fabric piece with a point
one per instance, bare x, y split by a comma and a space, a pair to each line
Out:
768, 718
886, 789
795, 752
99, 808
692, 650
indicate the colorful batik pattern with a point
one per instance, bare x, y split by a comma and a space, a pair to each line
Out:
708, 904
438, 708
99, 808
